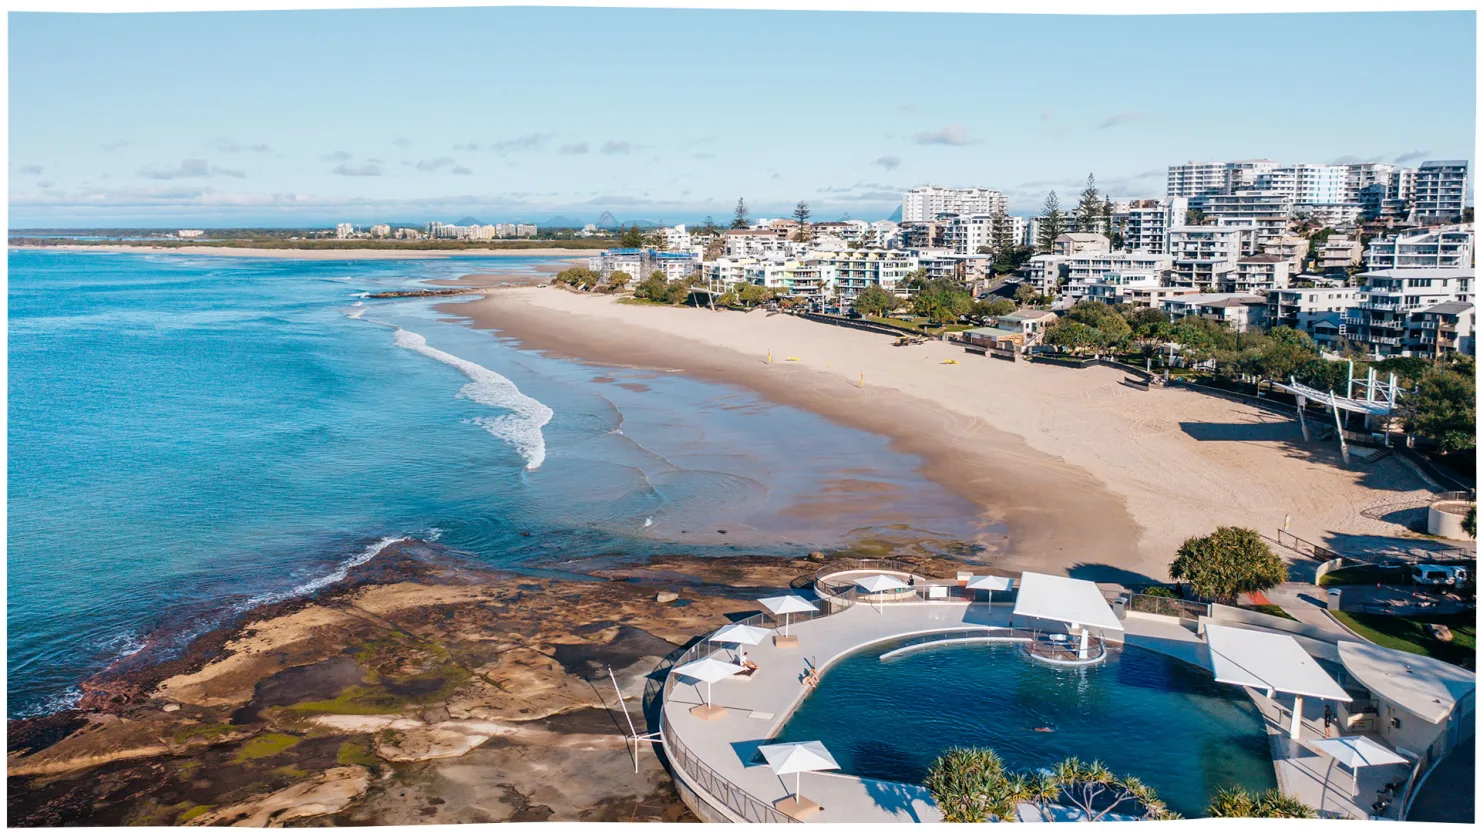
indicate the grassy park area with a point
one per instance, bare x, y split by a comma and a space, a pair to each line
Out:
1413, 636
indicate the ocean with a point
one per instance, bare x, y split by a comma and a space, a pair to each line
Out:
191, 436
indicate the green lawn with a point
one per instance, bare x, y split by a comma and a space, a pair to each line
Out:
1364, 574
1410, 634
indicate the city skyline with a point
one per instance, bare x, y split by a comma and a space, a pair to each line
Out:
414, 115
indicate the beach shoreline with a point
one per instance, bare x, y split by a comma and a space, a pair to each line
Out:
317, 254
1091, 477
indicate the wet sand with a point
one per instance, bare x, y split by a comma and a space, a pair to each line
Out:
1092, 478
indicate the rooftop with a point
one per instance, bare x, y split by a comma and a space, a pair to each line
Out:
1425, 686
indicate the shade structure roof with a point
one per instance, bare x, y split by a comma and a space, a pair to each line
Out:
989, 583
740, 634
1425, 686
879, 583
788, 604
1064, 600
1260, 659
1358, 751
805, 756
708, 670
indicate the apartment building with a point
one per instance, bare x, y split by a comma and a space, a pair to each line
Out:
1093, 265
941, 264
1074, 243
1440, 249
928, 202
1045, 272
1291, 247
1441, 329
344, 231
1339, 251
1439, 190
759, 242
1204, 257
922, 234
1195, 179
1267, 211
1258, 274
967, 234
850, 271
1319, 311
1379, 320
642, 263
1308, 184
1238, 312
1143, 224
380, 230
1111, 287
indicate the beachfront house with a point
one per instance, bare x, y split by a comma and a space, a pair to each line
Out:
1015, 332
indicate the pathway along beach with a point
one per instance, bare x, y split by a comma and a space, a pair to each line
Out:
1092, 478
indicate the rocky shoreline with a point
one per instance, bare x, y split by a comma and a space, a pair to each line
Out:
429, 293
420, 690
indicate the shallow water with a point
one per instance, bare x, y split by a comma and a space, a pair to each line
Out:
195, 434
1141, 713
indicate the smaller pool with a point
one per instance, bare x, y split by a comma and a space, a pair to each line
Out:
1141, 713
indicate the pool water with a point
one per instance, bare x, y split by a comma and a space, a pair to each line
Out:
1140, 712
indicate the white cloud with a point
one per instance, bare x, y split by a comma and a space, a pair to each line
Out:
888, 163
615, 147
367, 169
951, 134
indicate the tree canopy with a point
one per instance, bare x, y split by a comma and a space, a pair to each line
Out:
1230, 561
1238, 802
942, 300
742, 216
1442, 409
1051, 224
875, 300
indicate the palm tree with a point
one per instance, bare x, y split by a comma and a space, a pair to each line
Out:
1043, 790
1097, 792
972, 786
1236, 802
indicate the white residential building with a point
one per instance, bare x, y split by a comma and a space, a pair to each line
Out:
380, 230
1239, 312
1338, 252
1319, 311
1267, 211
1044, 272
1379, 320
1440, 249
1443, 328
1195, 179
1094, 265
1256, 274
1143, 224
1307, 184
1204, 257
188, 233
344, 231
850, 271
1439, 190
929, 202
1074, 243
967, 234
1111, 287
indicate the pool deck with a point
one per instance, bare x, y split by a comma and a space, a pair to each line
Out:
759, 706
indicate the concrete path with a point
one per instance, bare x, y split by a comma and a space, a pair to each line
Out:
1307, 603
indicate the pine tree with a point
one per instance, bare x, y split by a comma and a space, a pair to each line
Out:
802, 215
1107, 219
742, 216
1087, 215
1051, 224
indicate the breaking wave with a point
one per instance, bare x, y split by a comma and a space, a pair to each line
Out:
522, 427
323, 581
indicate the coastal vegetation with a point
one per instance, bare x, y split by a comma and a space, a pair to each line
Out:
1415, 635
1239, 803
972, 785
1229, 562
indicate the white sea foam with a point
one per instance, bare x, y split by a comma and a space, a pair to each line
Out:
523, 425
323, 581
433, 534
355, 313
647, 523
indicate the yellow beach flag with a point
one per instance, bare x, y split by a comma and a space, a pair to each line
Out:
1287, 521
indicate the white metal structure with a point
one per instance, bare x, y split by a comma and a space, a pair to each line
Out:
1359, 751
989, 584
786, 606
707, 671
1272, 662
1371, 397
1073, 601
797, 758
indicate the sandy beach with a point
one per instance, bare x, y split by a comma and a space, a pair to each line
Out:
324, 254
1092, 477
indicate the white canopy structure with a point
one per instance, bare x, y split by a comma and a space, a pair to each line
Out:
708, 671
1272, 662
788, 758
1075, 602
1423, 685
1358, 751
989, 584
786, 606
740, 634
880, 583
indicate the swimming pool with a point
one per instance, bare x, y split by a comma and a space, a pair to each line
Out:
1141, 713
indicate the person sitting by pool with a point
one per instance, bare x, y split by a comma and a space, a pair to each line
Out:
811, 678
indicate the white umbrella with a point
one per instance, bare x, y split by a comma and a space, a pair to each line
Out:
739, 634
707, 671
786, 606
1358, 751
989, 583
806, 756
880, 583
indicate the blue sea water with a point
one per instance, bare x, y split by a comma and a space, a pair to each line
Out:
193, 435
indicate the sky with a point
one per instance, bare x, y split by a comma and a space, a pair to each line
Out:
527, 114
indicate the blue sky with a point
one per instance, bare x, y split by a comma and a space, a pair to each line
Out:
293, 118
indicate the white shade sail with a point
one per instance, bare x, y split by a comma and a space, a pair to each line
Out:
880, 583
995, 583
1358, 751
1423, 685
708, 670
805, 756
738, 634
788, 604
1264, 660
1064, 599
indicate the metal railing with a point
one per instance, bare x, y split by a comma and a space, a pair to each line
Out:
1304, 547
1066, 651
1167, 606
733, 797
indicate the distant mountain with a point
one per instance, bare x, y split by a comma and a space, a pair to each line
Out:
607, 220
562, 222
898, 214
468, 221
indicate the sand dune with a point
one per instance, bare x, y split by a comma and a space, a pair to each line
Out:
1092, 477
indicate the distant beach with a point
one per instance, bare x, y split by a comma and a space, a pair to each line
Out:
320, 254
1092, 478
